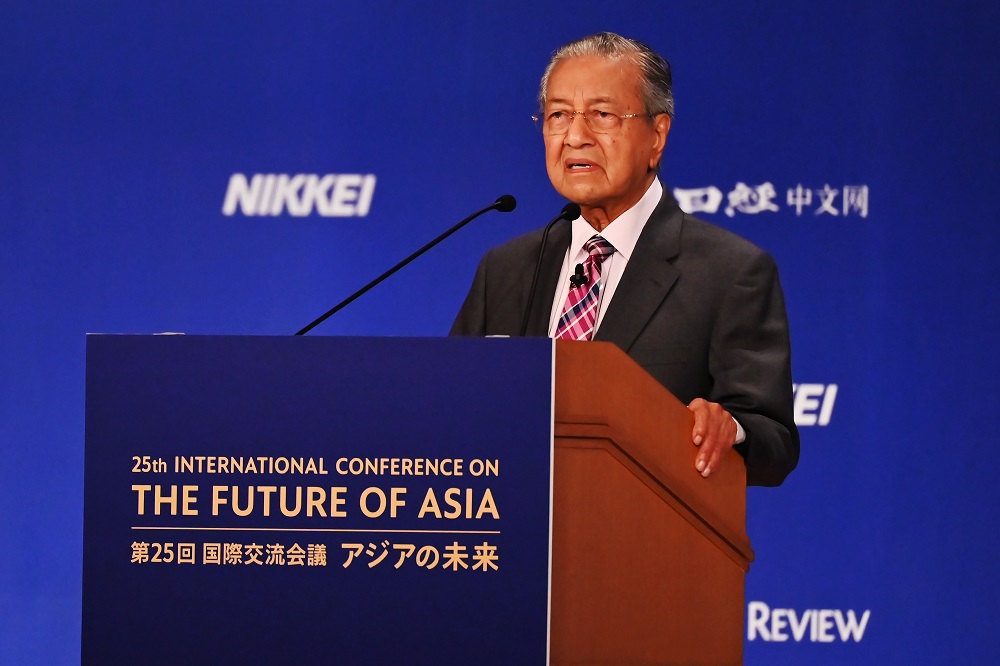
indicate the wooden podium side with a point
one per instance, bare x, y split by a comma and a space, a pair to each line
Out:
648, 558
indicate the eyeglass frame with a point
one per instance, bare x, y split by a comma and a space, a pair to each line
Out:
540, 121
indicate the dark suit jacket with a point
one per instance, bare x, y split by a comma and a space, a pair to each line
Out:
699, 308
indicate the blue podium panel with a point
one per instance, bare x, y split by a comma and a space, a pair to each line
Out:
316, 500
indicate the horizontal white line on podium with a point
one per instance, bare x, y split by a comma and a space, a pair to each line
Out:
304, 529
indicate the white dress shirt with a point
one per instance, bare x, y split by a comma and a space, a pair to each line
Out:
622, 232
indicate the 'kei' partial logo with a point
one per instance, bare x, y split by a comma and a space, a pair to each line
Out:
813, 403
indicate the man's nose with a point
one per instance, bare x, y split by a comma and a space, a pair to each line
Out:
579, 132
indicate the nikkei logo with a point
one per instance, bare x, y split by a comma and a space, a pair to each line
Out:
751, 200
813, 403
271, 194
823, 625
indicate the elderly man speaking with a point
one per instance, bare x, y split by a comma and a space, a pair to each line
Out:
696, 306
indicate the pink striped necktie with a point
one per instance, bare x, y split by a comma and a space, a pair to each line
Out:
580, 312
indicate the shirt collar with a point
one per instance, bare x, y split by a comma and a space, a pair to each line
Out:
623, 232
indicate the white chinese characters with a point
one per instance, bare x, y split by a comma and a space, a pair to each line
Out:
845, 201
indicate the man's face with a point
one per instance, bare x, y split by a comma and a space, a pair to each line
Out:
605, 173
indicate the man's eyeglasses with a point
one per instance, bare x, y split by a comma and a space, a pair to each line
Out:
602, 122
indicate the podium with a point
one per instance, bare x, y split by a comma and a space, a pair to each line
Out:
648, 558
389, 500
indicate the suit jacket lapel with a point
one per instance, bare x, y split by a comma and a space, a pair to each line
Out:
648, 277
555, 253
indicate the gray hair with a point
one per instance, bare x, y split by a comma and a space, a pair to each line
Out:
655, 86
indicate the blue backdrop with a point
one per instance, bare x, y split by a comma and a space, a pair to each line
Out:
855, 141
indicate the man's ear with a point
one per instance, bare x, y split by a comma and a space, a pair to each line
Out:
661, 128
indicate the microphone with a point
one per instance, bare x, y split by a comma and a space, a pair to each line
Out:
570, 212
579, 279
504, 204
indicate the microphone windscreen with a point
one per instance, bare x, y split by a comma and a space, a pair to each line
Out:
570, 211
506, 203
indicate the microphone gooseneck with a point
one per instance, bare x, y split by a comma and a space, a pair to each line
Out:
570, 212
504, 204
